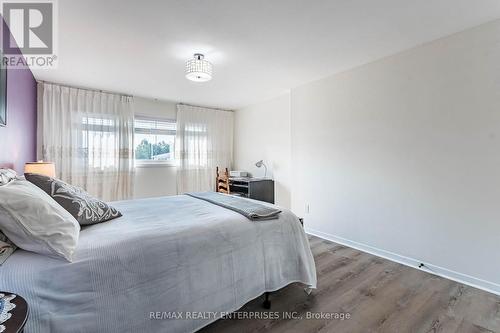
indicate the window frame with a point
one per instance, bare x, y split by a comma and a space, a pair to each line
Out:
154, 163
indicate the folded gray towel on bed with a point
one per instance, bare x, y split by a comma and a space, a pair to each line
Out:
250, 209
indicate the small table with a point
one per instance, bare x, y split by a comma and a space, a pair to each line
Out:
18, 314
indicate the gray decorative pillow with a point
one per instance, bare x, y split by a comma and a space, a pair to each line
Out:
85, 209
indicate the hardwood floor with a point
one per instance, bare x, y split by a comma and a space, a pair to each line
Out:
379, 295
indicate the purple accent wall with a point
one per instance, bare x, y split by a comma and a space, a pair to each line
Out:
18, 138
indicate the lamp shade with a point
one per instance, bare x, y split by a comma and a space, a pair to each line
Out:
261, 163
198, 69
42, 168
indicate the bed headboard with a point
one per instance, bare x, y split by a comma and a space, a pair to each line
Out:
6, 165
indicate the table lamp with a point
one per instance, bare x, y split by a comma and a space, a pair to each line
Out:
259, 164
41, 168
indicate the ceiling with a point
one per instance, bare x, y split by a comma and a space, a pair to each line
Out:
259, 48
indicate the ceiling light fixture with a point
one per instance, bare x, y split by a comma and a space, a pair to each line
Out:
198, 69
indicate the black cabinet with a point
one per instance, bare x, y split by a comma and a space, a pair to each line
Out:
253, 188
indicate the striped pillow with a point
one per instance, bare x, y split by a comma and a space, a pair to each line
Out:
6, 248
6, 176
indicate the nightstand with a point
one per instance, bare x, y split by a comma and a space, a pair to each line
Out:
254, 188
15, 308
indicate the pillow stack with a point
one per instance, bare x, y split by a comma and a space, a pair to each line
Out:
43, 215
6, 246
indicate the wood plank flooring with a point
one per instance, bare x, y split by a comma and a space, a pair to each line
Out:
379, 295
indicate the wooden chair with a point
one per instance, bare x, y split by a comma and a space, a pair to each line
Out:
222, 181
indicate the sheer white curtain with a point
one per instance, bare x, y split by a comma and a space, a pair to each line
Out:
204, 141
89, 136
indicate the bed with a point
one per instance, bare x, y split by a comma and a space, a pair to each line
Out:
164, 258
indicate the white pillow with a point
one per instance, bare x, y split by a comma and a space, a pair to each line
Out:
33, 221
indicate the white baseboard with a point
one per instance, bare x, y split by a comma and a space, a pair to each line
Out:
429, 268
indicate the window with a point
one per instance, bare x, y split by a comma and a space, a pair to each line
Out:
154, 140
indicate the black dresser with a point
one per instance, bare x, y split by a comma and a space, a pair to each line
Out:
254, 188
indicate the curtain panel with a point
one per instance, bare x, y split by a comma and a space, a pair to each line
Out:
89, 136
203, 142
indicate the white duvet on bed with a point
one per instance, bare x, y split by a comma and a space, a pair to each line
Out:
169, 254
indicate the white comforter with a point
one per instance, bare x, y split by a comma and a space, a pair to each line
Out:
167, 255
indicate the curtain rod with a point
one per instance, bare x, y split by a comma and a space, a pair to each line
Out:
121, 94
85, 88
205, 107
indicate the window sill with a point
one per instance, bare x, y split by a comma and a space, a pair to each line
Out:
154, 165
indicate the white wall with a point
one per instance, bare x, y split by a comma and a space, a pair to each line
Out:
154, 181
262, 131
403, 154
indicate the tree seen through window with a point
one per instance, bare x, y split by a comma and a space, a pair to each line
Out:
154, 151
